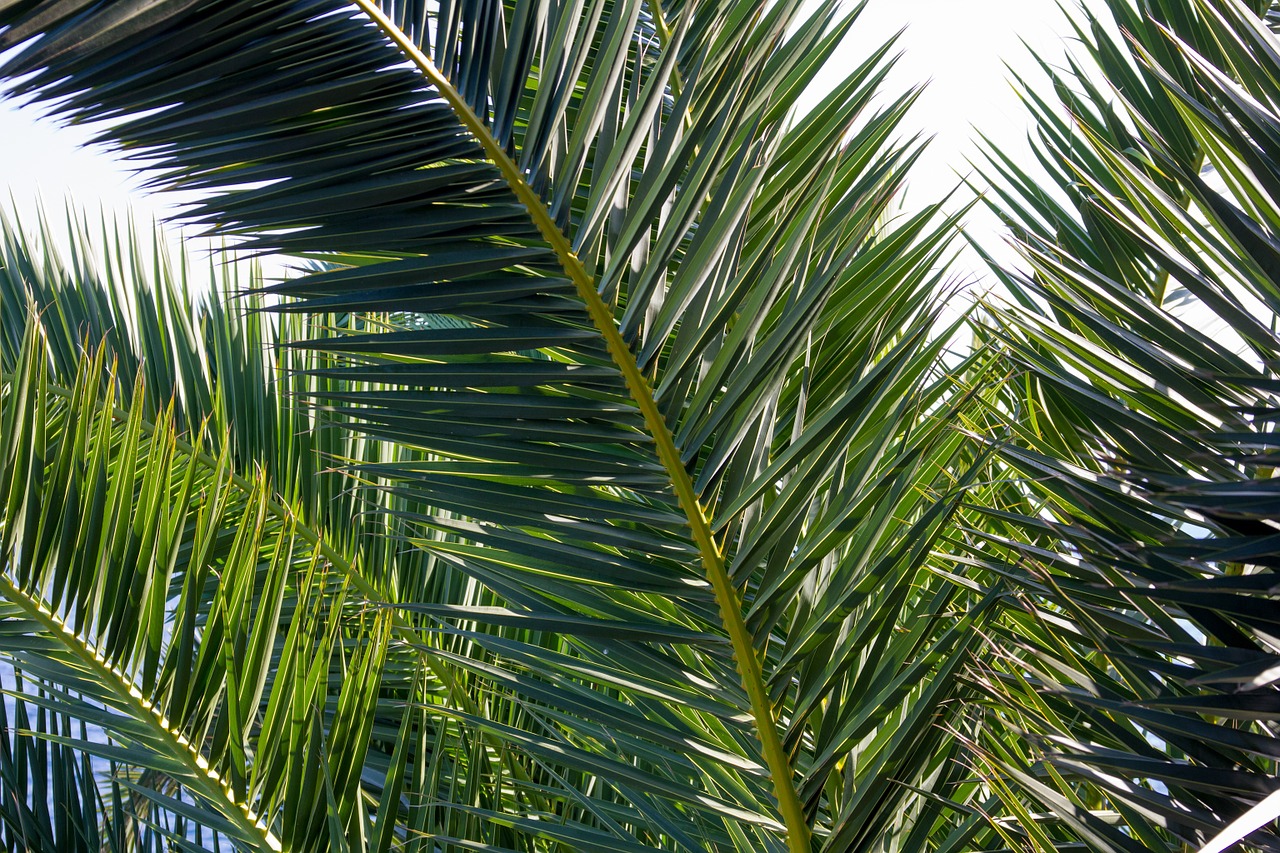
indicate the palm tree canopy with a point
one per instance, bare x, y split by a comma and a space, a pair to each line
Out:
605, 478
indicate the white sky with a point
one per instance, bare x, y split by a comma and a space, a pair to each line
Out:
960, 49
958, 45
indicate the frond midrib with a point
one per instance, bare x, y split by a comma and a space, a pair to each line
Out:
207, 781
730, 604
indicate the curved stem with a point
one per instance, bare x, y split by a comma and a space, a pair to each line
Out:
798, 836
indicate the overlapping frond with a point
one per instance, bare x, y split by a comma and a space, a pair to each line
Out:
241, 388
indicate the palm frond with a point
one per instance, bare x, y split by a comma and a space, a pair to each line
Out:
1132, 701
143, 598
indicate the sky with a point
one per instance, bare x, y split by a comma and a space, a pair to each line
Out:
958, 47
